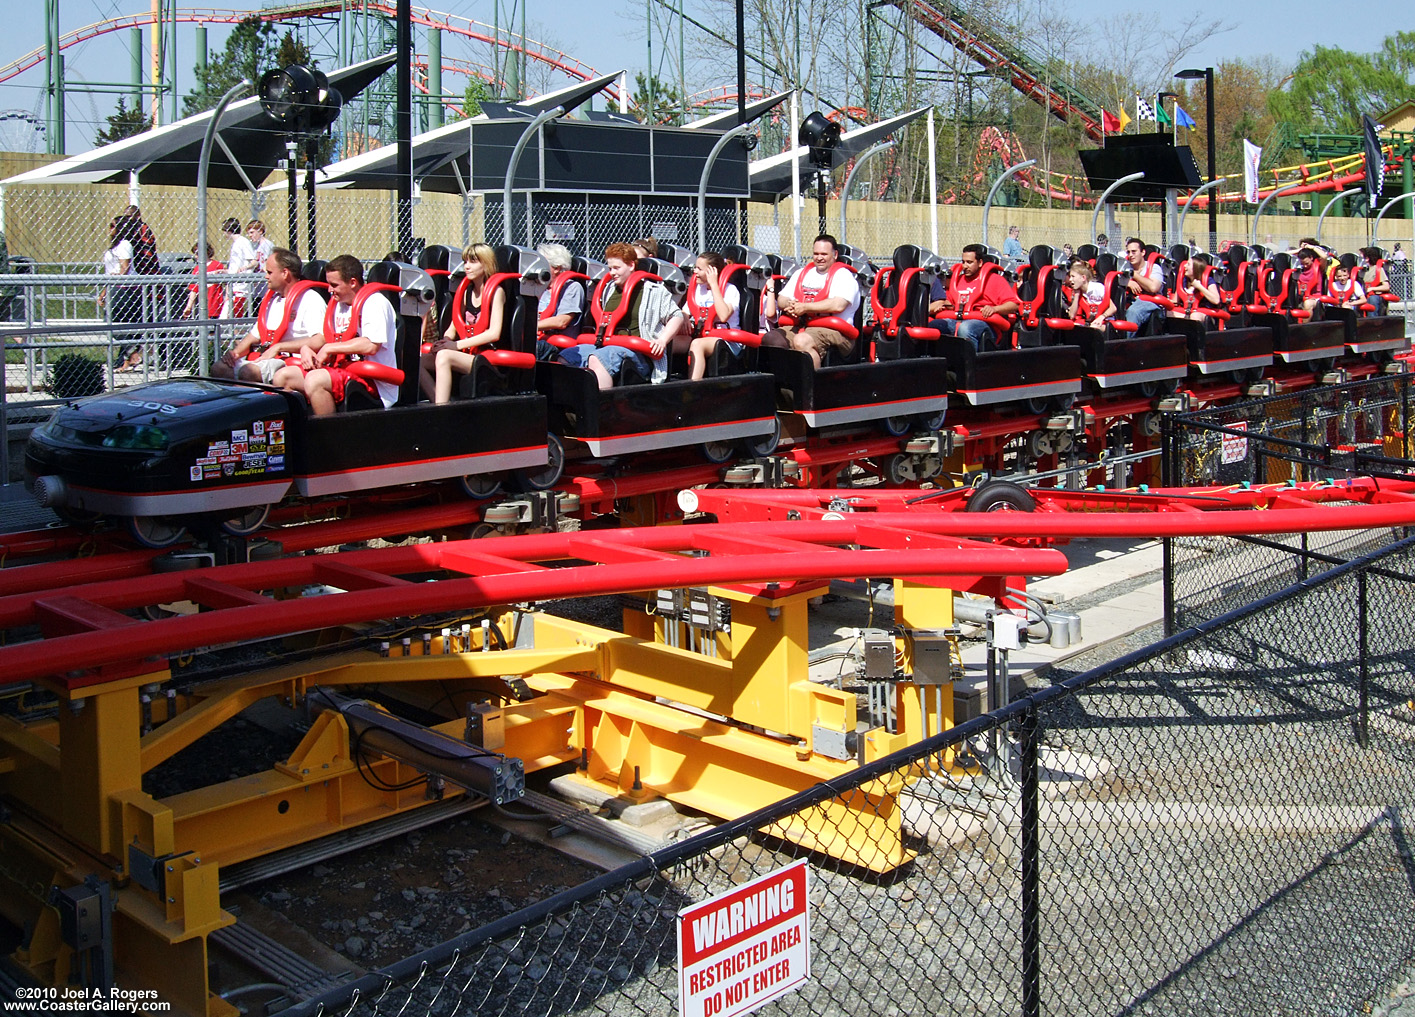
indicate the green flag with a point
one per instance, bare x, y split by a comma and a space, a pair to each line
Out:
1160, 114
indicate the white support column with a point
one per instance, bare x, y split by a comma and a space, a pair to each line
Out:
933, 186
795, 172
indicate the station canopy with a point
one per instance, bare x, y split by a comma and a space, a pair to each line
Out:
440, 155
247, 148
601, 152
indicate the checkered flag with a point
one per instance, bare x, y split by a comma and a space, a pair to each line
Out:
1143, 110
1375, 157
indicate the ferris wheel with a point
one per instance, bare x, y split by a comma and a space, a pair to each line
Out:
20, 131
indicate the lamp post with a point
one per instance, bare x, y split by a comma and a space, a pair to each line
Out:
1193, 74
301, 101
821, 136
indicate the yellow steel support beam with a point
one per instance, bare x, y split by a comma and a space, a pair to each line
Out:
98, 736
162, 944
159, 942
764, 656
34, 773
919, 606
725, 771
770, 641
224, 701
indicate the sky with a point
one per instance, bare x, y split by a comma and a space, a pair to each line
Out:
608, 40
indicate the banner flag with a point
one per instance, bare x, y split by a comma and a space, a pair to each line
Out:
1251, 156
1375, 158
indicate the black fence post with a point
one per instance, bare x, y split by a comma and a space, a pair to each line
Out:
1302, 436
1363, 733
1404, 418
1169, 452
1028, 728
1169, 477
1168, 585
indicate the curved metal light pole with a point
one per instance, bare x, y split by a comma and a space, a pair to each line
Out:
736, 132
1179, 230
1376, 226
1253, 237
540, 121
203, 167
1100, 202
992, 192
1344, 194
850, 179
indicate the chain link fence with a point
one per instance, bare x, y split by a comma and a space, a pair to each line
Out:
1311, 433
1211, 825
68, 328
1321, 433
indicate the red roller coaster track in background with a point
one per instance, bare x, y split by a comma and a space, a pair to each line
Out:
464, 27
993, 142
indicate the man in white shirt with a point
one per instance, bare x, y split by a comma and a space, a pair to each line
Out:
286, 328
255, 233
372, 337
1146, 280
241, 259
825, 288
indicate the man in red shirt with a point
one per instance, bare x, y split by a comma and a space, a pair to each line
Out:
971, 292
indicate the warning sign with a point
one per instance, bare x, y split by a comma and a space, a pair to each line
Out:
1235, 449
742, 948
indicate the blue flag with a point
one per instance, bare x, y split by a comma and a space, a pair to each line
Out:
1182, 118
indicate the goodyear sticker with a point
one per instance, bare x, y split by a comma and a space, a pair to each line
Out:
248, 452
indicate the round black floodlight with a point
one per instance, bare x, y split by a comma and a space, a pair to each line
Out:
821, 136
327, 111
288, 94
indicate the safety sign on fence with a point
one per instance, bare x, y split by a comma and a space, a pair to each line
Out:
1235, 449
744, 947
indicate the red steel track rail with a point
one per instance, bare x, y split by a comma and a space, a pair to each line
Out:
1362, 503
761, 537
88, 639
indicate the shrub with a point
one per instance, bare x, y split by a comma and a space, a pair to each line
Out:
73, 376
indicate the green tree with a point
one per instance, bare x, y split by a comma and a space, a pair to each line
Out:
122, 124
1331, 87
292, 50
251, 49
655, 101
477, 92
